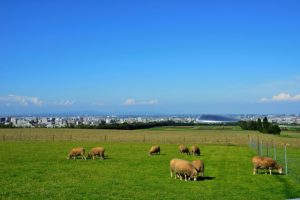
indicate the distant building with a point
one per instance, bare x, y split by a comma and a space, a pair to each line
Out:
215, 119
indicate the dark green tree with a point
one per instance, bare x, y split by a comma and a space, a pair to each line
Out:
274, 129
259, 125
265, 125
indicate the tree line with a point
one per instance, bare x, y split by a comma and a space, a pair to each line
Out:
10, 125
129, 126
263, 126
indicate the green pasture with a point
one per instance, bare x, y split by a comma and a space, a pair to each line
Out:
38, 169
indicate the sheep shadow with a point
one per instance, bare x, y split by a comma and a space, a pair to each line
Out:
162, 154
97, 158
205, 178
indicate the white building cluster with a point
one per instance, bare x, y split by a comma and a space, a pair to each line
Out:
60, 122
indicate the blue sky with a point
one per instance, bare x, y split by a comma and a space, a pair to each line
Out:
165, 57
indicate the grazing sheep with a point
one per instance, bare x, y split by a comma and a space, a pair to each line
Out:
154, 150
265, 163
183, 149
79, 151
97, 151
199, 166
183, 168
173, 163
195, 150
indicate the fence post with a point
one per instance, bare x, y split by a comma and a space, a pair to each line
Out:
53, 137
258, 145
71, 137
261, 148
3, 137
184, 139
105, 138
267, 149
274, 146
250, 142
144, 140
285, 159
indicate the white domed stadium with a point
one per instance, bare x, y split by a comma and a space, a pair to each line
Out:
215, 119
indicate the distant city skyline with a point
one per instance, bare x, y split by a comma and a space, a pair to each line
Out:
150, 57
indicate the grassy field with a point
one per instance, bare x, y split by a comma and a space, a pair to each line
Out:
163, 135
38, 169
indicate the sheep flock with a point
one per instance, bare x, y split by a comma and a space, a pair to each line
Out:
180, 168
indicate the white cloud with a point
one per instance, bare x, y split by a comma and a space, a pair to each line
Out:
129, 102
286, 97
64, 103
15, 100
20, 100
282, 97
150, 102
264, 99
132, 102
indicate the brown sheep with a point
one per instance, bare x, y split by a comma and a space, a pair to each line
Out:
199, 166
183, 168
173, 163
97, 151
265, 163
79, 151
154, 150
183, 149
195, 150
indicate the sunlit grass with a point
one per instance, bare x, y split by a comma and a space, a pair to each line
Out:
40, 170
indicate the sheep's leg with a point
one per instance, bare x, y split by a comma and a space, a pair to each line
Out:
172, 174
185, 177
179, 176
254, 171
270, 169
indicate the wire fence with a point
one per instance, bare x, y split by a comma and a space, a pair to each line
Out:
269, 148
123, 138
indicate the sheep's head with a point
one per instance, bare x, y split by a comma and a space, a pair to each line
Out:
90, 155
194, 175
279, 169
